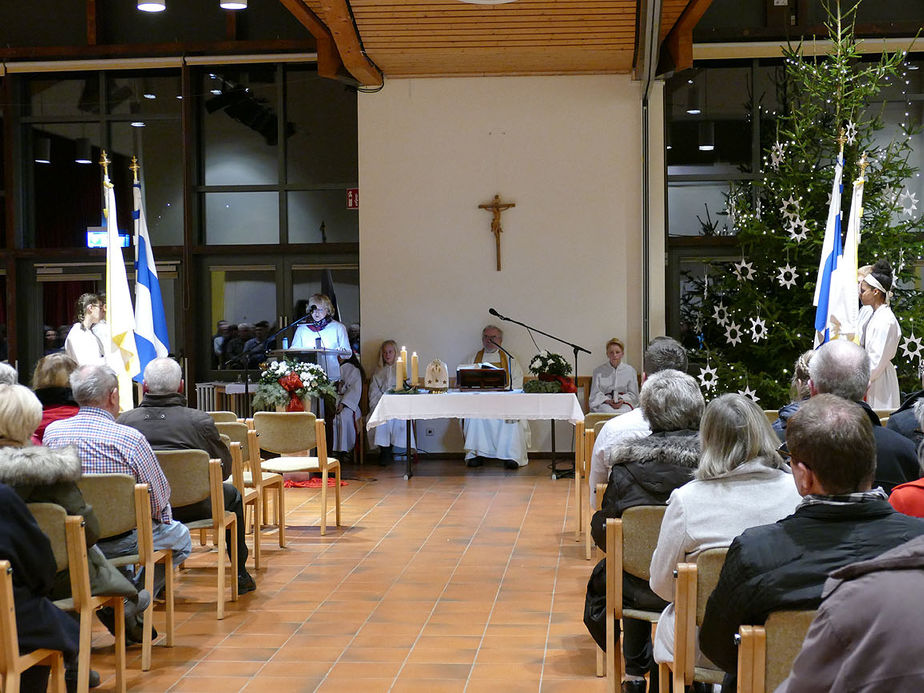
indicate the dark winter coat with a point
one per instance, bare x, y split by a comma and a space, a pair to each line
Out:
644, 472
905, 421
865, 637
49, 475
168, 424
39, 622
784, 565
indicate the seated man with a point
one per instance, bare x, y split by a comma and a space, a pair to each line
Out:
662, 353
168, 424
496, 438
106, 447
840, 520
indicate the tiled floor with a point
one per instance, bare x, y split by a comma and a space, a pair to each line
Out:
459, 580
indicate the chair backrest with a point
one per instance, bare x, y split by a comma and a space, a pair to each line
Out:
285, 432
641, 526
50, 518
785, 632
187, 472
218, 416
113, 499
771, 414
708, 568
591, 420
9, 638
237, 432
237, 467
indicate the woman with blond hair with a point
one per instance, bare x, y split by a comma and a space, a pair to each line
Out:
322, 331
614, 387
740, 482
391, 436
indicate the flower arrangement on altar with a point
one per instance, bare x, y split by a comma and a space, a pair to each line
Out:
287, 383
552, 372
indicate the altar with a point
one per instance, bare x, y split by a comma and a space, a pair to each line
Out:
475, 405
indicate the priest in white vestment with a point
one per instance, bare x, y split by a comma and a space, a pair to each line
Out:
496, 438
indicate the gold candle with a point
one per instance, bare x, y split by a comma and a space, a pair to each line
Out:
404, 358
414, 365
399, 374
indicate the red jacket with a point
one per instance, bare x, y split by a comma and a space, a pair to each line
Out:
908, 498
63, 411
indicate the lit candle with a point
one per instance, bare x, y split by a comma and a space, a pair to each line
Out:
399, 374
414, 365
404, 358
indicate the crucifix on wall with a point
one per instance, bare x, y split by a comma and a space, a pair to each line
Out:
496, 207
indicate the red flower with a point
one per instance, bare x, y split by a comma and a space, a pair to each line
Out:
290, 382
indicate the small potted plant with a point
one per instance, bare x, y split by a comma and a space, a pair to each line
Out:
286, 385
552, 371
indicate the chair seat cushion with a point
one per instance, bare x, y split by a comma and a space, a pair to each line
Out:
283, 465
268, 477
207, 524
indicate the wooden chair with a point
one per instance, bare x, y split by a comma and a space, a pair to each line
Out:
12, 664
298, 432
193, 477
766, 653
772, 415
590, 437
250, 497
121, 505
695, 582
630, 542
264, 482
69, 545
223, 416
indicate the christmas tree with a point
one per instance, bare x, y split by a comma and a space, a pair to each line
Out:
751, 319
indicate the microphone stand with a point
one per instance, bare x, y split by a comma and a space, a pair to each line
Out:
509, 359
576, 349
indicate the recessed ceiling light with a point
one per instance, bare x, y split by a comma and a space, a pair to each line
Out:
152, 5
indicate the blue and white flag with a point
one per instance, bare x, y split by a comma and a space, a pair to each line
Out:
831, 252
150, 318
843, 308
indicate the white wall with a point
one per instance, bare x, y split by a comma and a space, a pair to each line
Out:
567, 151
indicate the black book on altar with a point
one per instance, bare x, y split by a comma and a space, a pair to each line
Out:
481, 376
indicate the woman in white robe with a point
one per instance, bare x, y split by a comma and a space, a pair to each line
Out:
614, 387
349, 393
82, 344
880, 337
391, 436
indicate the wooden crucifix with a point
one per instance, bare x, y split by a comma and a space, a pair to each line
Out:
496, 207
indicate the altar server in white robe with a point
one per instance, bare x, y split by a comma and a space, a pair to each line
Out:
391, 436
614, 387
496, 438
349, 392
880, 336
82, 343
323, 332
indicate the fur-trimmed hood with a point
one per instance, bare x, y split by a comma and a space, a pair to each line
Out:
679, 448
37, 465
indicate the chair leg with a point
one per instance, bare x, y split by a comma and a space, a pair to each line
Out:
232, 526
203, 537
57, 676
83, 652
601, 663
337, 493
119, 605
220, 541
281, 512
664, 678
323, 502
265, 491
256, 509
168, 595
148, 624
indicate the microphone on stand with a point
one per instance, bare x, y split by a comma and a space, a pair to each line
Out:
496, 315
509, 356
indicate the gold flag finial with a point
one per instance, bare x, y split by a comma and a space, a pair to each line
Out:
842, 139
135, 167
104, 162
863, 164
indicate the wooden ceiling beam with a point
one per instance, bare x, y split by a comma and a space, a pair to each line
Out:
679, 41
92, 23
340, 24
329, 63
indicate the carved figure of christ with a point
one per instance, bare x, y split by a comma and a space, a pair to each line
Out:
496, 207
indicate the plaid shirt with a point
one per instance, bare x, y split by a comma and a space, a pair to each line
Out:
845, 499
106, 447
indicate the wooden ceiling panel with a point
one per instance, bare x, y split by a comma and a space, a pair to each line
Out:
411, 38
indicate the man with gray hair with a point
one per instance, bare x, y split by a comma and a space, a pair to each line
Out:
662, 353
8, 375
106, 447
842, 368
168, 424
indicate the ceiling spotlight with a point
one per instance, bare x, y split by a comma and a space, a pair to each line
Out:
233, 4
706, 136
152, 5
137, 123
42, 146
83, 154
693, 107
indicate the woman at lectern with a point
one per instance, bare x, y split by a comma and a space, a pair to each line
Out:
614, 389
323, 332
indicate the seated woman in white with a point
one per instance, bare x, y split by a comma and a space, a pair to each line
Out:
614, 388
391, 436
741, 482
82, 343
349, 393
323, 332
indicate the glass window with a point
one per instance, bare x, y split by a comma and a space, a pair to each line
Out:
74, 95
239, 294
321, 114
147, 93
158, 146
698, 209
309, 210
241, 218
4, 347
240, 126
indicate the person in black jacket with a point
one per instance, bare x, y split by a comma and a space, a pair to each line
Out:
841, 519
168, 424
842, 368
644, 472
